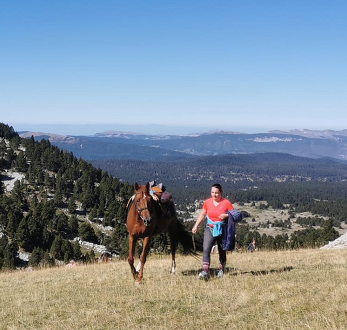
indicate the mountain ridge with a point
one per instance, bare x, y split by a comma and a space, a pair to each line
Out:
128, 145
319, 134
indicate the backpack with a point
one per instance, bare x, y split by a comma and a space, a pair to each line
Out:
165, 197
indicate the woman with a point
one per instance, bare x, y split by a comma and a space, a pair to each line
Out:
215, 210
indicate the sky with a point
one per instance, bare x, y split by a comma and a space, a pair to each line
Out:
82, 67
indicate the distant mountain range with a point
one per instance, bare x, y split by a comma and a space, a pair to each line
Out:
128, 145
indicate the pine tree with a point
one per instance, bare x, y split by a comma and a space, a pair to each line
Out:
93, 214
22, 234
66, 257
77, 254
73, 225
3, 245
87, 257
92, 256
10, 254
35, 257
56, 248
72, 206
67, 250
62, 222
86, 233
47, 260
329, 232
35, 231
12, 223
20, 163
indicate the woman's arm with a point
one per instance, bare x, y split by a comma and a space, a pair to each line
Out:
201, 217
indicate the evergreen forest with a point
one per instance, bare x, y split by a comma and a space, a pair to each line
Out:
58, 198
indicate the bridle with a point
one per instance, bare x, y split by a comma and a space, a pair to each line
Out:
140, 210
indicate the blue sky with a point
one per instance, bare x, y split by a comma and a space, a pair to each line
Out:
251, 66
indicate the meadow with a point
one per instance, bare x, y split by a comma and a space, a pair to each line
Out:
301, 289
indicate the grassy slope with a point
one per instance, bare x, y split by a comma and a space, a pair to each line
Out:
258, 292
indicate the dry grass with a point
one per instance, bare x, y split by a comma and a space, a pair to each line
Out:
304, 289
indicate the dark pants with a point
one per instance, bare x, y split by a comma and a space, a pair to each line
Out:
209, 241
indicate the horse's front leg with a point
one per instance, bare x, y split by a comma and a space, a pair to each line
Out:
131, 255
143, 257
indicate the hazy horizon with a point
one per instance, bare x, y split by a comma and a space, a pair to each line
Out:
154, 129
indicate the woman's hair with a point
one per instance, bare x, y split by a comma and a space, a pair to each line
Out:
218, 186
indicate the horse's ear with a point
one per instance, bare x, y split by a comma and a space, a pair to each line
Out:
136, 186
147, 186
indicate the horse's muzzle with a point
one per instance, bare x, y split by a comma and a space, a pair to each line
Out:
145, 216
146, 222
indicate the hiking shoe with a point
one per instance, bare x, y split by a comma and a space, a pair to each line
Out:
203, 276
220, 273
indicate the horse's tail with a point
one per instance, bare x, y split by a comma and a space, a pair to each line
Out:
190, 246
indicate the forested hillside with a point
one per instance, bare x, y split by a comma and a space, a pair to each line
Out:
58, 198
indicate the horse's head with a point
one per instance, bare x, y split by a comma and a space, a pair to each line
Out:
143, 202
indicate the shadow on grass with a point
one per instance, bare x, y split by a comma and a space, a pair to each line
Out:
265, 272
229, 271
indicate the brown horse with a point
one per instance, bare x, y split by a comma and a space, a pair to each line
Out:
145, 218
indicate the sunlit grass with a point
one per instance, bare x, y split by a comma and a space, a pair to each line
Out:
304, 289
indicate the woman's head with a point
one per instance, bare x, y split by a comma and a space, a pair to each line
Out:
216, 191
218, 186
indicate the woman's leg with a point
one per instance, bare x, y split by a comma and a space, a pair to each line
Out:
207, 246
222, 254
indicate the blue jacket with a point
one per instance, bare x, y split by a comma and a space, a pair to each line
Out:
217, 226
228, 233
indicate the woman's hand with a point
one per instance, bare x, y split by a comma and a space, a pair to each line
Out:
223, 216
199, 219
